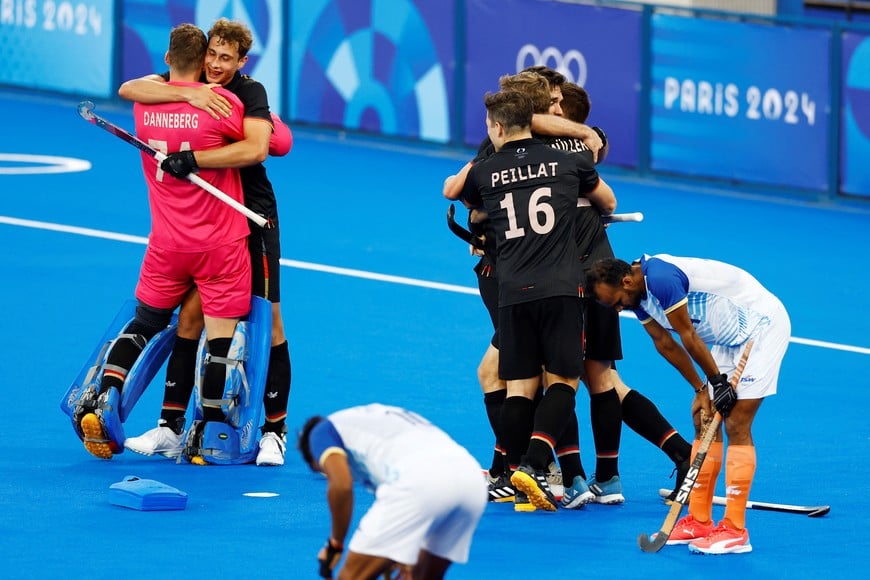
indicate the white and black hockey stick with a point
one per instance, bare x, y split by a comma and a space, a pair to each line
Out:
86, 110
477, 242
813, 511
655, 544
622, 217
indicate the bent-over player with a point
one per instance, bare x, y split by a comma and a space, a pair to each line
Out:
415, 521
707, 302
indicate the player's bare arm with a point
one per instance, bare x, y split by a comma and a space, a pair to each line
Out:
603, 198
454, 183
339, 494
673, 352
152, 89
254, 148
561, 127
697, 348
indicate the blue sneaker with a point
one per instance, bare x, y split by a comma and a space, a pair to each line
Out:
578, 495
608, 492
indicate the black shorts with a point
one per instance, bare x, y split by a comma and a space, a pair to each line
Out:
488, 287
544, 333
602, 332
265, 248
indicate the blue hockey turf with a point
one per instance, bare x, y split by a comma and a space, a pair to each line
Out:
379, 301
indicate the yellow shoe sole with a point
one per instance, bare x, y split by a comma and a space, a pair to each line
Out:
526, 484
95, 441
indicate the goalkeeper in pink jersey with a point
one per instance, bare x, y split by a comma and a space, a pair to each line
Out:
195, 240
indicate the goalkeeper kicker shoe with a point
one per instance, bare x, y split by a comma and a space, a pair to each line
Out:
606, 492
723, 540
534, 484
94, 437
272, 447
688, 529
162, 440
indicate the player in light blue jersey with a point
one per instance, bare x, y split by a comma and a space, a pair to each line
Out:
716, 309
416, 522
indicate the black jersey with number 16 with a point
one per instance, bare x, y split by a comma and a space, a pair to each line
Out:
530, 192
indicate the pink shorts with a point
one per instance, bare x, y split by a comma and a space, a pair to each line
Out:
222, 275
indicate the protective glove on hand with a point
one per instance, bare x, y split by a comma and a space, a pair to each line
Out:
724, 396
180, 164
328, 558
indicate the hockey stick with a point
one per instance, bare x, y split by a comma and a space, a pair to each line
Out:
460, 231
813, 511
476, 241
661, 538
622, 217
86, 110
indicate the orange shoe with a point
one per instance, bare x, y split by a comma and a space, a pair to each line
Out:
723, 540
689, 529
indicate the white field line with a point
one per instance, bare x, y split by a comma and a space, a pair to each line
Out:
350, 272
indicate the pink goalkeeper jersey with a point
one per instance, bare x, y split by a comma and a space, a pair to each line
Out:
185, 217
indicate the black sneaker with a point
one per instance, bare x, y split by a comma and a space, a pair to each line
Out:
534, 484
681, 470
500, 488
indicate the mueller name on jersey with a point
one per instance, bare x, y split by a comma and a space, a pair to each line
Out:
525, 173
171, 120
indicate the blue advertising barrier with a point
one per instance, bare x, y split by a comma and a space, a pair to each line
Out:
59, 46
378, 65
855, 142
147, 24
740, 101
596, 47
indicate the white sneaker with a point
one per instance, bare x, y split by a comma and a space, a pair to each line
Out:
161, 439
272, 448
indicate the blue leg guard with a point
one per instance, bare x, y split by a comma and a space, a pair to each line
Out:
247, 366
113, 409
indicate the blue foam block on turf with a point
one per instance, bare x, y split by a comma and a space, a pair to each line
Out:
146, 495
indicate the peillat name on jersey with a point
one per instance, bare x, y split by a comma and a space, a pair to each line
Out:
517, 174
171, 120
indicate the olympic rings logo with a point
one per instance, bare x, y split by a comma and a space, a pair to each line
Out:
572, 64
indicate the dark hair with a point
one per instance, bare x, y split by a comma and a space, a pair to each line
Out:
608, 271
230, 31
512, 109
554, 77
575, 102
531, 84
187, 45
304, 435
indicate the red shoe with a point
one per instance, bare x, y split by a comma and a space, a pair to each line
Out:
723, 540
689, 529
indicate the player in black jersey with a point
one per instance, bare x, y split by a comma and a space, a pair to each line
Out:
530, 193
229, 43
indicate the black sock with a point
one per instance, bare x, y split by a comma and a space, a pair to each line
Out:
517, 418
552, 415
644, 418
277, 393
180, 379
214, 380
120, 360
606, 417
493, 402
568, 452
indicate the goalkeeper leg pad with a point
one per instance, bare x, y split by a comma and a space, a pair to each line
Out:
247, 365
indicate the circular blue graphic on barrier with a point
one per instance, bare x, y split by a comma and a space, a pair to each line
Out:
368, 65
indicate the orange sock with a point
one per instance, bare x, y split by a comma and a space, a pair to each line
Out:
701, 498
739, 472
